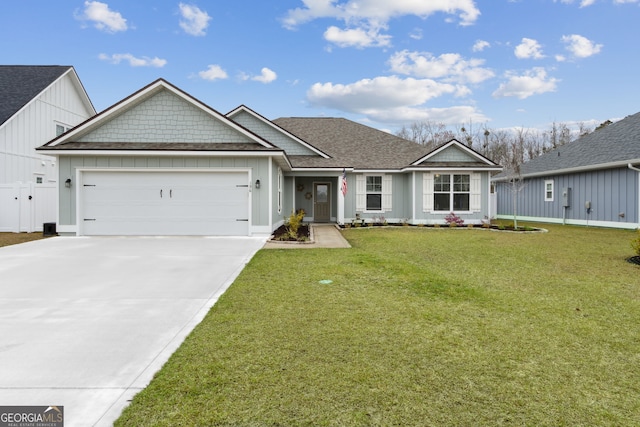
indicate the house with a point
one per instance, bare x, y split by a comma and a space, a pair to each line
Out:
161, 162
592, 181
36, 104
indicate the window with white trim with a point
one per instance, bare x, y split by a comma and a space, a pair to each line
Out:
548, 190
451, 192
374, 193
60, 129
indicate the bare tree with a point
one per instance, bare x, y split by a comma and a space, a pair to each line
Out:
428, 133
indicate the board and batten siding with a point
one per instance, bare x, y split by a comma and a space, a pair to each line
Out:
34, 126
68, 165
613, 194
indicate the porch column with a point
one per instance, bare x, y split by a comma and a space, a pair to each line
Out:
340, 219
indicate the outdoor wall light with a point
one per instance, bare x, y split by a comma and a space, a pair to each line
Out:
67, 183
257, 183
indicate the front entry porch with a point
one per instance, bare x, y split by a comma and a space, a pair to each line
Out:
318, 197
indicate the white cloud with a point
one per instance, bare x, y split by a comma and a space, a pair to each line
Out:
581, 47
380, 11
533, 82
366, 19
416, 34
266, 76
450, 67
357, 37
449, 115
585, 3
529, 48
214, 72
144, 61
102, 17
377, 93
194, 21
480, 45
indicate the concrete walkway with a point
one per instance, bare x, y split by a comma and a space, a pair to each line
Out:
322, 235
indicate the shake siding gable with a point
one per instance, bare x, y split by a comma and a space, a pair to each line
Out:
451, 154
165, 117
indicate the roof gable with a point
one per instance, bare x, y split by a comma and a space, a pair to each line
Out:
273, 133
453, 152
21, 84
159, 113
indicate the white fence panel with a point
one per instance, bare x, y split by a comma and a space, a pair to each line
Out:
25, 207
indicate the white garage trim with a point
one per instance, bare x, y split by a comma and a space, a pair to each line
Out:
134, 201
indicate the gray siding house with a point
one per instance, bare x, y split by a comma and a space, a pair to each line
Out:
594, 181
160, 162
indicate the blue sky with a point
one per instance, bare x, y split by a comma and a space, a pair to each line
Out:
494, 63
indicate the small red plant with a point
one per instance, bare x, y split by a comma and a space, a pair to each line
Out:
453, 220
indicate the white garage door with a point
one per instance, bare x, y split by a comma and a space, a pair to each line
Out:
164, 203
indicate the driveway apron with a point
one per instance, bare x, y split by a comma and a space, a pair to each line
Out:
85, 322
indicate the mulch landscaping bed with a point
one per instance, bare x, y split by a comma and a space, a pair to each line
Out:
303, 231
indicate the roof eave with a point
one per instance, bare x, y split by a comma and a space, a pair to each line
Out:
577, 169
163, 153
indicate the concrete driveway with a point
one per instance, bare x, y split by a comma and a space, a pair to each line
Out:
85, 322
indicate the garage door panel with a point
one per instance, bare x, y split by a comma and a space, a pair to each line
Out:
165, 203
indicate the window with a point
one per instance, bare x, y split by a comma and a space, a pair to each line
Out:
374, 193
60, 130
451, 192
548, 191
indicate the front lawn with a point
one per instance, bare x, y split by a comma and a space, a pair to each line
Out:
418, 327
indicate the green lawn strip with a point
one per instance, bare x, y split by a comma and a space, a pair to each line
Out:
418, 327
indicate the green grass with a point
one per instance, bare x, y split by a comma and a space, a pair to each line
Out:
419, 327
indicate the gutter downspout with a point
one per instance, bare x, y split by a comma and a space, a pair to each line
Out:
630, 166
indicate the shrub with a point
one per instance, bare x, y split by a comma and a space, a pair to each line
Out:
453, 220
294, 222
635, 243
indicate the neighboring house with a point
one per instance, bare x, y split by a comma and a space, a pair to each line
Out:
160, 162
591, 181
37, 103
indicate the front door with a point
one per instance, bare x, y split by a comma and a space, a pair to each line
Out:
321, 202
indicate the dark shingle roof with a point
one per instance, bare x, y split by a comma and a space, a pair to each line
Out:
19, 84
616, 143
350, 144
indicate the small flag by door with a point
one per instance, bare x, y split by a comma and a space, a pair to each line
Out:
344, 183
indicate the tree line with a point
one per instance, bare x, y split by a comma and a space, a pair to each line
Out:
504, 147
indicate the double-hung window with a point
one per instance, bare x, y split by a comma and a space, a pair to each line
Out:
548, 191
451, 192
374, 193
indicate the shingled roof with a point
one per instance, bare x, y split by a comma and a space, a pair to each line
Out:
19, 84
611, 146
350, 144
